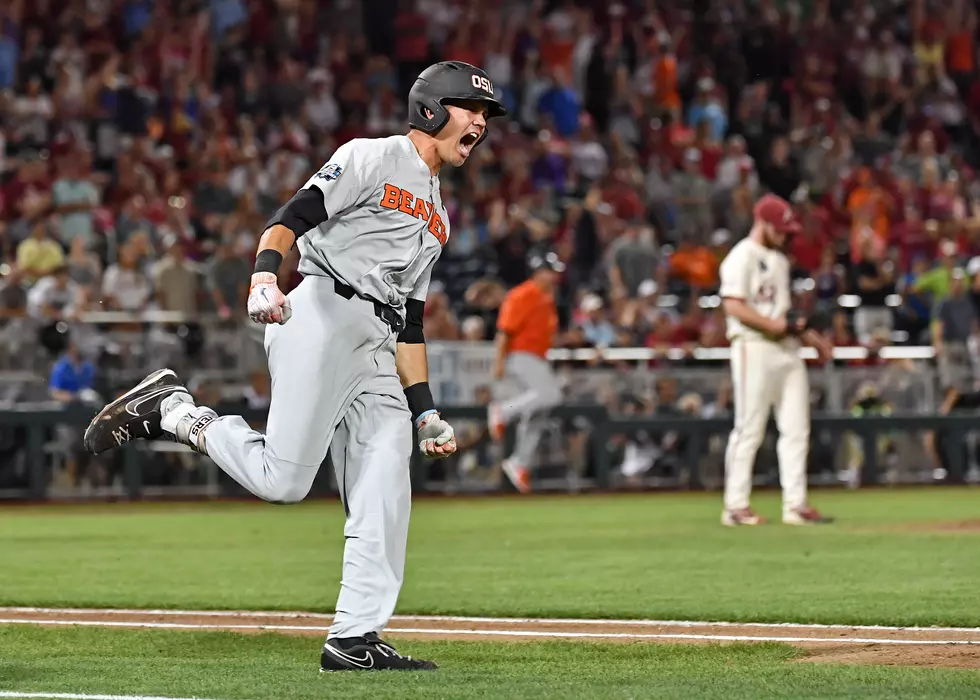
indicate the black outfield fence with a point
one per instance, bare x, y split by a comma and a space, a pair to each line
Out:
586, 448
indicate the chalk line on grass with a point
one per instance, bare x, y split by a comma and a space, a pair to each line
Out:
498, 633
480, 620
83, 696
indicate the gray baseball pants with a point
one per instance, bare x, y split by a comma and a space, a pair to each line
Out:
539, 393
334, 386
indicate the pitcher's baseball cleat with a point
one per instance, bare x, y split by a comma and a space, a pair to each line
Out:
367, 653
742, 516
806, 516
135, 414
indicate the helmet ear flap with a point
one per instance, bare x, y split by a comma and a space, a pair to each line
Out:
435, 122
483, 136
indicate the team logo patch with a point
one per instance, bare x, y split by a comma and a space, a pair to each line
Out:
329, 172
763, 267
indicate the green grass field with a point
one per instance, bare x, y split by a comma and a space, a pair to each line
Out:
888, 560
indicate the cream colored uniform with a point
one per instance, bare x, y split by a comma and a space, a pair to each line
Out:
767, 374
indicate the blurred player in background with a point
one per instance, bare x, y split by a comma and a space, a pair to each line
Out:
952, 453
526, 329
767, 371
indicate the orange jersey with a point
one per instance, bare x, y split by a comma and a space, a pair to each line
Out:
529, 316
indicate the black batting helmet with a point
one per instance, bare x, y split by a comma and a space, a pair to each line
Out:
544, 259
449, 80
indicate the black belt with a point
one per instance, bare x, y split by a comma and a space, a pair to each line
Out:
387, 314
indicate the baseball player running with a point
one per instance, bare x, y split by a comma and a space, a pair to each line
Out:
767, 371
526, 328
346, 352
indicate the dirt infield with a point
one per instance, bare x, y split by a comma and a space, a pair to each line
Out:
894, 646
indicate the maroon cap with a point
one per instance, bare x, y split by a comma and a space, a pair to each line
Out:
776, 211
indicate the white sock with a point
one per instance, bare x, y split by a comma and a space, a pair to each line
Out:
175, 407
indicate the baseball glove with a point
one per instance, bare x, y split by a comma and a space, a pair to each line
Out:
796, 322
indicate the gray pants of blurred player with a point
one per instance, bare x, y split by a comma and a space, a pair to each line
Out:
539, 393
334, 386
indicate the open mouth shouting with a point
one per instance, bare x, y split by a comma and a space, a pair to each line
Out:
469, 139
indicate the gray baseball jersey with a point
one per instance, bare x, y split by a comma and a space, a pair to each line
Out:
386, 223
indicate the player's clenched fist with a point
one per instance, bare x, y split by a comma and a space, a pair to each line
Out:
266, 302
436, 437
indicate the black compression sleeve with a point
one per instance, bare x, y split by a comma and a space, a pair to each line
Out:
414, 311
303, 212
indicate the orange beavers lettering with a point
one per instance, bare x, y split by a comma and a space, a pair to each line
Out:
404, 201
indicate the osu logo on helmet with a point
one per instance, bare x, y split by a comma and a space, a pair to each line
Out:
481, 83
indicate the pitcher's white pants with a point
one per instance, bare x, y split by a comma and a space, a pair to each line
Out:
768, 377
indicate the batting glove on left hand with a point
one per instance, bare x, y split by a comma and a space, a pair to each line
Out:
436, 437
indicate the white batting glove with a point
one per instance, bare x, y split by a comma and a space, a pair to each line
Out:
266, 302
436, 437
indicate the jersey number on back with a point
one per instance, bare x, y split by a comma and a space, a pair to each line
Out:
404, 201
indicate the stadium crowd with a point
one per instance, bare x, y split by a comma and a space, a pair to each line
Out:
144, 143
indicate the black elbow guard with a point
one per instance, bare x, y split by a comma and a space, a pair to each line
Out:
305, 211
414, 310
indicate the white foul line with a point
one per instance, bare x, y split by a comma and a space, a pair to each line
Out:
481, 620
81, 696
492, 633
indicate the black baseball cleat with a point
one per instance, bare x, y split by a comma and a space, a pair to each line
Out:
367, 653
135, 414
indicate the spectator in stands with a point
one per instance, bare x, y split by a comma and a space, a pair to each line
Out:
707, 109
84, 267
212, 194
473, 329
828, 281
72, 381
71, 376
74, 197
560, 105
953, 323
321, 108
125, 287
40, 254
483, 298
692, 197
938, 281
32, 112
27, 195
634, 259
439, 316
914, 313
13, 297
874, 278
228, 280
54, 297
133, 218
589, 157
839, 332
694, 264
176, 282
780, 172
722, 406
596, 327
740, 200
